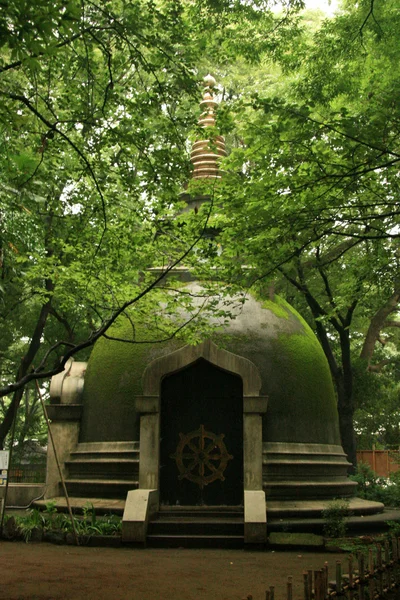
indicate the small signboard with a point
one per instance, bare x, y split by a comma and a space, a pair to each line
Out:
4, 454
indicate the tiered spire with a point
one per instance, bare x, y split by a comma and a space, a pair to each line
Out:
206, 154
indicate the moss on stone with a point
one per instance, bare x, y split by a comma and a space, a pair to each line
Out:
295, 539
293, 368
277, 306
113, 379
306, 411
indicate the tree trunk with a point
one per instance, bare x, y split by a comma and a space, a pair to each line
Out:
25, 365
346, 427
377, 323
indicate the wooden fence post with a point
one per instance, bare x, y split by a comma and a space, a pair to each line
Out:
371, 571
310, 583
361, 576
272, 592
290, 588
351, 582
317, 585
326, 580
380, 570
338, 578
305, 586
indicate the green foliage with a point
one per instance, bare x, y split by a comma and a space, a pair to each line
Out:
375, 488
28, 524
394, 528
52, 520
334, 516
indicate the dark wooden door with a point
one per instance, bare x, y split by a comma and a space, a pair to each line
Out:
201, 448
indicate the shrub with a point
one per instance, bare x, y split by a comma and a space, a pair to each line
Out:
379, 489
334, 516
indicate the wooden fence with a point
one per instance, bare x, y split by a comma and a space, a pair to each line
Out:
374, 575
382, 462
27, 474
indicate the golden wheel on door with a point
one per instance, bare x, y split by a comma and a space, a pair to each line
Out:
201, 456
201, 437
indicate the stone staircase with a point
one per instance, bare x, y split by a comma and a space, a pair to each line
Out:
305, 472
103, 470
197, 527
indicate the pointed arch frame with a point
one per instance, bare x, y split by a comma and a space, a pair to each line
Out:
148, 406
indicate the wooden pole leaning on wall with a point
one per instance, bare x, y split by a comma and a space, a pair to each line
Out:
58, 464
3, 509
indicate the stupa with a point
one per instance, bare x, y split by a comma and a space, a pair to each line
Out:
211, 438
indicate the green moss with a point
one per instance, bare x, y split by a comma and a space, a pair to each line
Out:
277, 306
307, 329
292, 365
295, 539
113, 379
306, 411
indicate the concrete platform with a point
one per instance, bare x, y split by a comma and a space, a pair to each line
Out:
356, 524
314, 508
283, 516
102, 506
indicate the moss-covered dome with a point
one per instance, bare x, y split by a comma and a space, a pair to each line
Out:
294, 372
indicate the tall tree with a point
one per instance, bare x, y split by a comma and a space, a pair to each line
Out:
96, 106
314, 187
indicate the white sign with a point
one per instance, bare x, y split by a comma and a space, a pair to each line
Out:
4, 459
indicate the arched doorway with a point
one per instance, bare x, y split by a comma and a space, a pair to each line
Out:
201, 441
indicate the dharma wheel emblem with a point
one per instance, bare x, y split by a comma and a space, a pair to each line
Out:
201, 456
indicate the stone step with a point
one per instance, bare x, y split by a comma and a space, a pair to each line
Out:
109, 468
101, 488
108, 447
274, 470
302, 462
102, 506
109, 455
205, 512
195, 541
331, 488
196, 526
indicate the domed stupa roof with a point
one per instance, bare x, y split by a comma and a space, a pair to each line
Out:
293, 368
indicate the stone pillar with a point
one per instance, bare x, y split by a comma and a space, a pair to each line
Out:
149, 465
253, 408
65, 413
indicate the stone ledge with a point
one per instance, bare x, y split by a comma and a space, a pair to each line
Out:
64, 412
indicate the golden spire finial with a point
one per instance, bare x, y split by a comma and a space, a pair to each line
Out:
205, 155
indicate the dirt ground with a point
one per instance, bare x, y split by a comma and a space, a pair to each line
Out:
48, 572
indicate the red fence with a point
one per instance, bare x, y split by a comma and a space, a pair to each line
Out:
382, 462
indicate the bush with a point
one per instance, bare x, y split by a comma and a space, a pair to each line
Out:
51, 521
379, 489
334, 516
